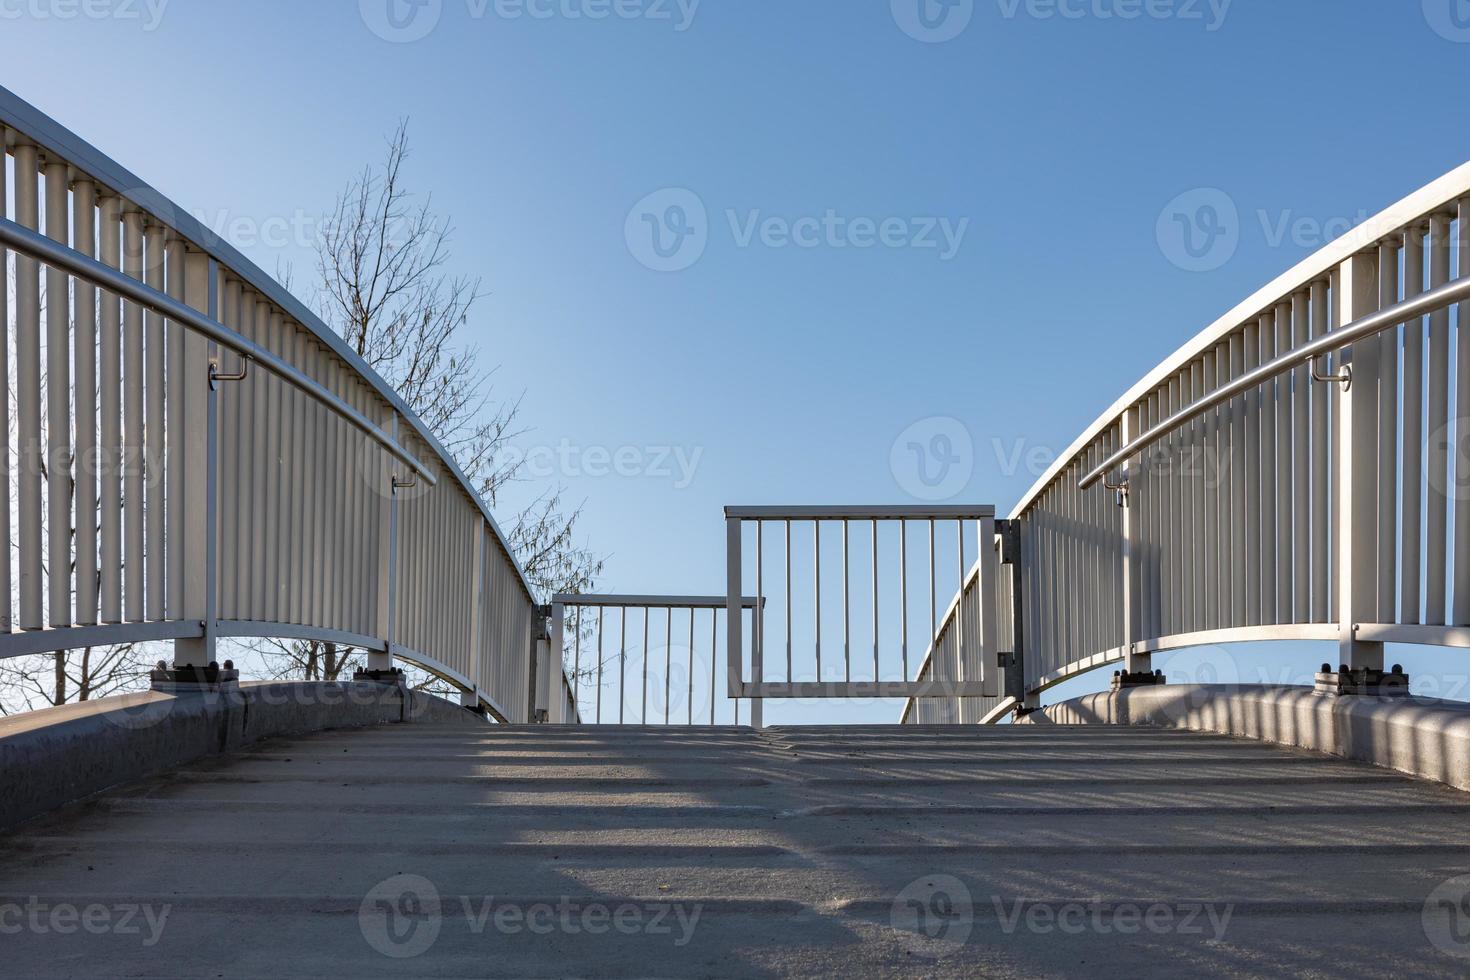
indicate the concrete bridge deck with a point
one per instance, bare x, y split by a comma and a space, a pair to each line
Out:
1013, 851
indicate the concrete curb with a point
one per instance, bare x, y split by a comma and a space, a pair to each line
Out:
1419, 736
57, 756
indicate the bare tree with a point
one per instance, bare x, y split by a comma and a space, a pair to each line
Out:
384, 285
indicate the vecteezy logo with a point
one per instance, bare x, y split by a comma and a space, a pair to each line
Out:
936, 912
932, 21
1446, 917
1449, 18
933, 458
668, 230
401, 21
400, 917
1199, 230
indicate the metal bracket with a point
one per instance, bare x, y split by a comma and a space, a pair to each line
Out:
398, 484
1343, 377
1121, 489
215, 376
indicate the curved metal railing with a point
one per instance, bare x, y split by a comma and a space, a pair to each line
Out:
1267, 493
164, 493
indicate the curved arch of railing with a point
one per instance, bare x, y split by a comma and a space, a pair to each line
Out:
197, 455
1247, 490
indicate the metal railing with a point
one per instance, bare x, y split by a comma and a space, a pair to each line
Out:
675, 643
869, 635
198, 456
1297, 471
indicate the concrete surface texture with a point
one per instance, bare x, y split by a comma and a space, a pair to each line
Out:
1421, 736
58, 755
1017, 851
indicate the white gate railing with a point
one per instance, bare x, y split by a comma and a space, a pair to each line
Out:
199, 456
962, 657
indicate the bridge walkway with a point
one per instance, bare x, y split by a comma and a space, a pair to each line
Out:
1010, 851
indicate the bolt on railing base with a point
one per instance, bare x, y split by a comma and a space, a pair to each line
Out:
1362, 681
1123, 679
392, 677
192, 679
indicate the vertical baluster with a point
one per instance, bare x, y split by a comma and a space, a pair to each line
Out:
933, 621
1239, 545
1412, 466
1221, 481
155, 425
7, 620
689, 700
1388, 416
1438, 451
1188, 555
1174, 556
877, 670
622, 660
846, 618
28, 393
133, 422
758, 621
669, 658
173, 603
903, 593
1460, 614
1198, 476
1284, 534
1301, 460
58, 407
271, 570
1250, 462
817, 589
643, 710
259, 463
1322, 585
84, 240
1267, 547
790, 677
112, 460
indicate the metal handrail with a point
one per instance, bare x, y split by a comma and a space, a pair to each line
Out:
1375, 323
36, 246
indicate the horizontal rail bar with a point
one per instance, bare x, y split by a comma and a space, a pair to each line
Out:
28, 642
860, 513
293, 631
649, 601
59, 256
1375, 323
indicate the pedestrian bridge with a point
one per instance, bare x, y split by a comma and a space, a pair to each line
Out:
197, 459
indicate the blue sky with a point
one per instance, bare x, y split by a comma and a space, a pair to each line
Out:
1046, 138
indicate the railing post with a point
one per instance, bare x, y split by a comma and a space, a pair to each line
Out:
200, 427
987, 595
555, 697
734, 587
1013, 554
387, 611
1137, 661
1357, 468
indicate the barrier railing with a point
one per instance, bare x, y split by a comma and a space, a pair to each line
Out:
869, 658
1296, 471
674, 642
199, 456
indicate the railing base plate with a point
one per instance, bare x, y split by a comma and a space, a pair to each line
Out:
1122, 679
186, 680
1362, 682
